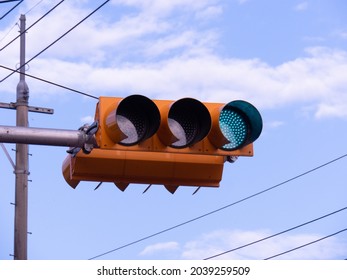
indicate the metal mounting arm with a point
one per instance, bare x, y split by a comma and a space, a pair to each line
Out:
82, 138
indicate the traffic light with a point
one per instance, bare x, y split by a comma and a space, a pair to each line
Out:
171, 143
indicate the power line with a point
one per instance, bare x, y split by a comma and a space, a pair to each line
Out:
33, 7
51, 83
8, 32
273, 235
15, 6
55, 41
219, 209
307, 244
37, 21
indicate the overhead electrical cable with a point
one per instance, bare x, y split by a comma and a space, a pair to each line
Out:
37, 21
33, 7
58, 39
307, 244
3, 38
274, 235
220, 209
51, 83
9, 11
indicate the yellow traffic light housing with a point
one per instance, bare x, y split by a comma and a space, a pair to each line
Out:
172, 143
125, 167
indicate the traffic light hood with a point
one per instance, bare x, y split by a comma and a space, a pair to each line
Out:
132, 120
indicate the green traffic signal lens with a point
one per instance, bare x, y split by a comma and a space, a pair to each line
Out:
240, 123
234, 128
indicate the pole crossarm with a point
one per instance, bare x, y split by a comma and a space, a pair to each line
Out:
34, 109
45, 136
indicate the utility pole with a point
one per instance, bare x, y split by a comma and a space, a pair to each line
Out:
21, 167
22, 135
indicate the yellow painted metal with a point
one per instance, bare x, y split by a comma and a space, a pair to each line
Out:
126, 167
67, 172
110, 123
164, 133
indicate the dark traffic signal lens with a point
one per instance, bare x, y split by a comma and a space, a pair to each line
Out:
189, 121
138, 118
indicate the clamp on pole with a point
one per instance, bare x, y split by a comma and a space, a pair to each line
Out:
89, 132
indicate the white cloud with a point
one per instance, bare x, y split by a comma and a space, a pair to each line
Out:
161, 8
335, 109
217, 242
303, 6
220, 241
133, 34
316, 80
87, 119
188, 41
341, 33
209, 12
159, 248
274, 124
242, 1
161, 58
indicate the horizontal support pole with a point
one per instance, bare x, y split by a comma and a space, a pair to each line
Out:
44, 136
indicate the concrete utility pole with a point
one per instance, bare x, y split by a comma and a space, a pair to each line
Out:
21, 134
21, 168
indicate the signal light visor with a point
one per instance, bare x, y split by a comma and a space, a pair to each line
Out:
136, 118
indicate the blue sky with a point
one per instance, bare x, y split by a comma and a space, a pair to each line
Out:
288, 58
